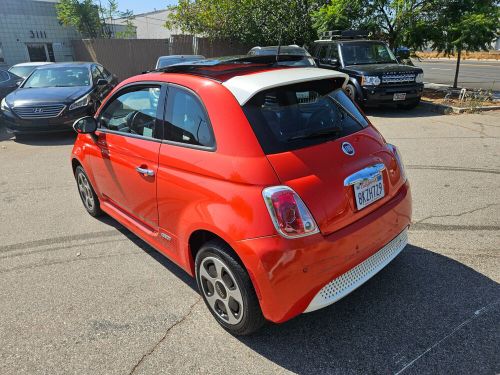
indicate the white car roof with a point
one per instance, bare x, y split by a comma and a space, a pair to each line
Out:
33, 63
246, 86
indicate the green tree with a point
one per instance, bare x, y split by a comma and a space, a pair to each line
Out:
92, 19
257, 22
391, 20
464, 25
82, 15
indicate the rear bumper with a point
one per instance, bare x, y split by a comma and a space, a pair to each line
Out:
62, 123
289, 274
385, 95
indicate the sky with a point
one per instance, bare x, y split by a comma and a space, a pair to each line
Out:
143, 6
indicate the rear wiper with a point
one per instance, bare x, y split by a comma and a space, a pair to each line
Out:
316, 134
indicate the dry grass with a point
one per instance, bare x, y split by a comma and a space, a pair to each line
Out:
481, 99
495, 55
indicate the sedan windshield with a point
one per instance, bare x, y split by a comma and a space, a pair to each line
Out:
300, 115
175, 60
58, 77
22, 71
357, 53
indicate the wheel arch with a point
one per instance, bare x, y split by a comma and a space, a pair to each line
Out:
199, 237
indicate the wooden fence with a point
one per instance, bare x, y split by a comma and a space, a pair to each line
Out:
128, 57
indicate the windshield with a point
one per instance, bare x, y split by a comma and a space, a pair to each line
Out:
306, 61
356, 53
58, 77
299, 115
284, 50
22, 71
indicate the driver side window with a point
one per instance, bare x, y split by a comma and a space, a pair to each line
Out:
133, 112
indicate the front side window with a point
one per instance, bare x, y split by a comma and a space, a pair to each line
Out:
186, 120
300, 115
58, 77
4, 76
133, 112
358, 53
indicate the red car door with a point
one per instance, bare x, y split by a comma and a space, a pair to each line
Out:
126, 163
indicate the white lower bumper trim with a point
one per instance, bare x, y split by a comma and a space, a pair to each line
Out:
357, 276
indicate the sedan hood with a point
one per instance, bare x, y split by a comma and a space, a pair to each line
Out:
46, 95
379, 69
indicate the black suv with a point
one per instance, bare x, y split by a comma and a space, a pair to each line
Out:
375, 75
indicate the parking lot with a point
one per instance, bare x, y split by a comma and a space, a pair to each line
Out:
85, 296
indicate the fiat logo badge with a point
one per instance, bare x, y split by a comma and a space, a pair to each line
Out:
348, 149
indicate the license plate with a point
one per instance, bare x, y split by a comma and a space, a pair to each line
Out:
367, 192
399, 96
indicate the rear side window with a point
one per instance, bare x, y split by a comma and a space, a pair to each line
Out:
186, 119
300, 115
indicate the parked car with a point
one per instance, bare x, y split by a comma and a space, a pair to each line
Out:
375, 75
164, 61
304, 59
54, 96
8, 83
24, 69
300, 203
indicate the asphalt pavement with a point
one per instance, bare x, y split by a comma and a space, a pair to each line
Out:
85, 296
472, 74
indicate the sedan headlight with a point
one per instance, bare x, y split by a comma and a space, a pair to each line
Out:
419, 78
4, 106
82, 102
370, 81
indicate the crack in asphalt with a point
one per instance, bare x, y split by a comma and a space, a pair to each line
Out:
66, 261
55, 240
443, 227
452, 169
476, 315
456, 215
175, 324
85, 244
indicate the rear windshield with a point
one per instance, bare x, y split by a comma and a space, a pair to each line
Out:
304, 114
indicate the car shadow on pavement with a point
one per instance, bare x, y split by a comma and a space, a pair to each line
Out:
423, 314
55, 139
152, 252
394, 112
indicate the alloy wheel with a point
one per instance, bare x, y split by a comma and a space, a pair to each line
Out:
221, 290
86, 192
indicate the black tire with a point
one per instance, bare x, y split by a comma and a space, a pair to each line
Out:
87, 193
351, 91
236, 280
410, 104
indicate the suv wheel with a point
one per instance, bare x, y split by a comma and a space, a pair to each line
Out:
87, 193
351, 91
227, 289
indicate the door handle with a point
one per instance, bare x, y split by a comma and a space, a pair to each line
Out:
145, 171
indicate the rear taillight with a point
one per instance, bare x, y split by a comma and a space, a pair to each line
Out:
289, 214
399, 159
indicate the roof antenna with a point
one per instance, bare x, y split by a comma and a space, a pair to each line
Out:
279, 46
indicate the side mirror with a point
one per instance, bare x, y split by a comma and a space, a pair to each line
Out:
102, 82
85, 125
328, 61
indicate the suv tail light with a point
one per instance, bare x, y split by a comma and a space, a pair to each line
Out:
399, 159
289, 214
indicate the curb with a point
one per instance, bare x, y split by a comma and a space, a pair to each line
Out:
448, 109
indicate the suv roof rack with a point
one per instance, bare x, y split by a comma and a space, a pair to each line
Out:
344, 34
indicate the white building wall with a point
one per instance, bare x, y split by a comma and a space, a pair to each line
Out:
151, 25
32, 21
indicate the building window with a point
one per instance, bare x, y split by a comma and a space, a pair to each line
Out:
40, 52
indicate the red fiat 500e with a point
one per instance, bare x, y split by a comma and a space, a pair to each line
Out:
264, 182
